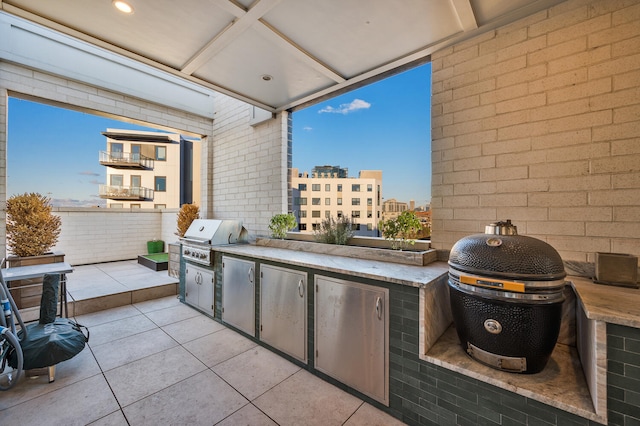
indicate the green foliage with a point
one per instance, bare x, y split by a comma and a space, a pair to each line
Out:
401, 230
281, 223
335, 231
31, 227
187, 214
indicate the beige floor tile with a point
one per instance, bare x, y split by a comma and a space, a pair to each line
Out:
139, 379
248, 415
114, 330
172, 314
120, 352
77, 404
368, 415
192, 328
203, 399
78, 368
220, 346
255, 371
109, 315
114, 419
304, 399
157, 304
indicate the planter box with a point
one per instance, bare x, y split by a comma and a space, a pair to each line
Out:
27, 293
416, 258
156, 261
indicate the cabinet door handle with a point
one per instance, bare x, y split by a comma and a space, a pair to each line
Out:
379, 307
251, 275
301, 288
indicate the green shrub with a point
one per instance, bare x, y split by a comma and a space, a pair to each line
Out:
401, 230
335, 231
281, 223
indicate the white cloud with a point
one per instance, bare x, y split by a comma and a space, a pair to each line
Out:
307, 128
355, 105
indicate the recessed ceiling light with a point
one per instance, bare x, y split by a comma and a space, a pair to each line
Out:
123, 6
267, 77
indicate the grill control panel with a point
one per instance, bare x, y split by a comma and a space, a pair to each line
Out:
199, 255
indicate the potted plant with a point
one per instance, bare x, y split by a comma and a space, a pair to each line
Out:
401, 230
187, 214
335, 231
281, 223
32, 230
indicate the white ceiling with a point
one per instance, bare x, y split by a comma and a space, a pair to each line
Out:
310, 48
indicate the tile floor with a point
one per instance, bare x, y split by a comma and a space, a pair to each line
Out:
161, 362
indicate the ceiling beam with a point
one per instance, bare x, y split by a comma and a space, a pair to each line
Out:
465, 14
228, 35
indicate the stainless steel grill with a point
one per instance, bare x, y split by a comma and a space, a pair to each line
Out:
204, 234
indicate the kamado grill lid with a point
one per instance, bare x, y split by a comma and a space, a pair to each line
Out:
501, 253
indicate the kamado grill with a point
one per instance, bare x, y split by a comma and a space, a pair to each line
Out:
506, 294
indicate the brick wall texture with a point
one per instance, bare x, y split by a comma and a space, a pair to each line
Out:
539, 122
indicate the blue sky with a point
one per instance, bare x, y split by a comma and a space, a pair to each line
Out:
384, 126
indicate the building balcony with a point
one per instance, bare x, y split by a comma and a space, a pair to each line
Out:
135, 193
125, 160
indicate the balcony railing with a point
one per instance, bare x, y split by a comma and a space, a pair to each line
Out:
125, 160
136, 193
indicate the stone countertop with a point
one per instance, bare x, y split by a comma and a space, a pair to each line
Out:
414, 276
616, 305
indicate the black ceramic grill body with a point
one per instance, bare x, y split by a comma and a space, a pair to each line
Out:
506, 295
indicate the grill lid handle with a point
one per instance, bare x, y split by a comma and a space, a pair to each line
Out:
501, 228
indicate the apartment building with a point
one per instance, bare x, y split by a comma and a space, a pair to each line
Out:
150, 170
329, 192
392, 208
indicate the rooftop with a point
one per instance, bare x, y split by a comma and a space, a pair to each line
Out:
160, 361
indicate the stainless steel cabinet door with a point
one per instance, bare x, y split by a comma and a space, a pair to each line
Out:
199, 288
352, 334
238, 294
283, 310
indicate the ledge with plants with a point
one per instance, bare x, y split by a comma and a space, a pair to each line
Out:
335, 237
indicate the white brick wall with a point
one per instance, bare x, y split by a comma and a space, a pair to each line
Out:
249, 166
539, 122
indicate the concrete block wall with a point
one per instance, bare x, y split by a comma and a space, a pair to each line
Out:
539, 122
27, 83
248, 166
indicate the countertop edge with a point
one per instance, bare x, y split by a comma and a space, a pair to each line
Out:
610, 304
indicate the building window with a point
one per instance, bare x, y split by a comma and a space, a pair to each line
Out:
301, 201
369, 214
369, 227
315, 213
315, 201
314, 226
339, 214
161, 153
369, 201
303, 226
135, 206
369, 187
302, 186
315, 187
355, 201
327, 201
339, 201
159, 206
160, 184
135, 152
355, 187
356, 227
115, 150
116, 205
355, 214
327, 187
115, 180
327, 214
136, 181
303, 214
339, 187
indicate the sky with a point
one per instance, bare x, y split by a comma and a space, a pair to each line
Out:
384, 126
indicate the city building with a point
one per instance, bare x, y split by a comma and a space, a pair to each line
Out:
330, 192
149, 170
392, 208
